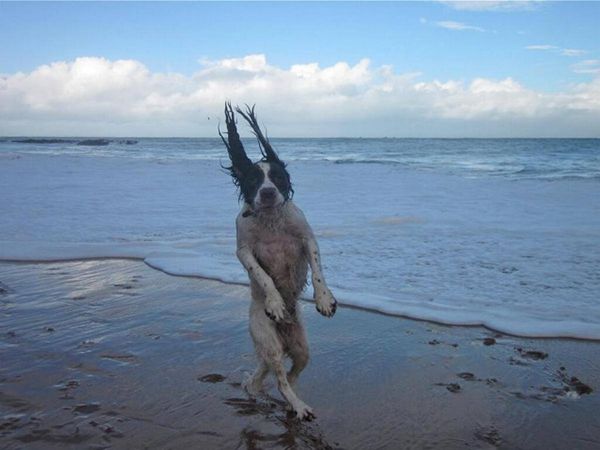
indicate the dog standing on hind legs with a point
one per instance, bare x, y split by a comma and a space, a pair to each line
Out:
276, 246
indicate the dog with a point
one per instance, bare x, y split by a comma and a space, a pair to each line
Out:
276, 246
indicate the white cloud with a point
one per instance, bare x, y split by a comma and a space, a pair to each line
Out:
591, 66
492, 99
457, 26
554, 49
541, 47
492, 5
97, 96
572, 52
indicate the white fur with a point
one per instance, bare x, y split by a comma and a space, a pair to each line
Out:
283, 242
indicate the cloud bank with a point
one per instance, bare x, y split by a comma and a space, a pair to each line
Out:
93, 96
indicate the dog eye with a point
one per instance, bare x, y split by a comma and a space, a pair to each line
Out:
252, 180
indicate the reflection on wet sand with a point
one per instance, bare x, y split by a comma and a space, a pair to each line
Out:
86, 364
282, 430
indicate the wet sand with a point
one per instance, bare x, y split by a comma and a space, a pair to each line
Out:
113, 354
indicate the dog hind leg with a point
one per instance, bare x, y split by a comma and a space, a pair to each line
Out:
269, 348
302, 410
298, 351
254, 384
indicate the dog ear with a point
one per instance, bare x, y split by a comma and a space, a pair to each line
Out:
263, 142
240, 163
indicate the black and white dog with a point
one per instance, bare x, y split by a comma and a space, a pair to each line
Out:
275, 245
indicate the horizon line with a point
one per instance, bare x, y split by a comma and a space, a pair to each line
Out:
5, 138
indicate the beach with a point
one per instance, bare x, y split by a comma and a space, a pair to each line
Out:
156, 158
110, 353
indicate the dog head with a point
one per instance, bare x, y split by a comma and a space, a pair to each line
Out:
264, 185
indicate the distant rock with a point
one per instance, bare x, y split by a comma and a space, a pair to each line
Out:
95, 142
44, 141
127, 142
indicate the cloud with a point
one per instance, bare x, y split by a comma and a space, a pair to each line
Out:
591, 66
492, 5
457, 26
541, 47
554, 48
572, 52
101, 97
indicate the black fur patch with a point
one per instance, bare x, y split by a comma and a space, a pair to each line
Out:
250, 181
281, 179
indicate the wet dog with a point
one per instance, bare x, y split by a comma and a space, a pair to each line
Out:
276, 246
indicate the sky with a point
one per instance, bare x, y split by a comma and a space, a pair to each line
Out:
314, 69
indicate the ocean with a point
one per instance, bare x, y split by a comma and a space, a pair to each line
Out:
503, 233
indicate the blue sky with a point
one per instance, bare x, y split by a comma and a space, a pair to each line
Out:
174, 36
439, 41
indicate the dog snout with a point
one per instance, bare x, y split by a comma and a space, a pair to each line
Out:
268, 194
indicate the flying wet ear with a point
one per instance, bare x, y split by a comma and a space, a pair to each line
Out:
240, 163
263, 142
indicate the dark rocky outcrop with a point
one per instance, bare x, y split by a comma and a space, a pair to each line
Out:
44, 141
94, 142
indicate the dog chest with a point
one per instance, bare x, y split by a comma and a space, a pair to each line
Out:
277, 251
282, 257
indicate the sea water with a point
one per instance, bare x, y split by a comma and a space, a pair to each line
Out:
503, 233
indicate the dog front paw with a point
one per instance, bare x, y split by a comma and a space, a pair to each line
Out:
274, 309
326, 303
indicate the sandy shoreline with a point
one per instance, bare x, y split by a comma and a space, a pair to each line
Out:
111, 353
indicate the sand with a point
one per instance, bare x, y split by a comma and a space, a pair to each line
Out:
114, 354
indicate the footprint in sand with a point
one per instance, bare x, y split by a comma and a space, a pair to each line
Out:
536, 355
86, 408
489, 435
123, 358
489, 341
212, 378
452, 387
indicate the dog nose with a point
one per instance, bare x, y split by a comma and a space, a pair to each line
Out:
267, 194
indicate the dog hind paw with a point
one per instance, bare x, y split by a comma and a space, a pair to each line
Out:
304, 412
252, 389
